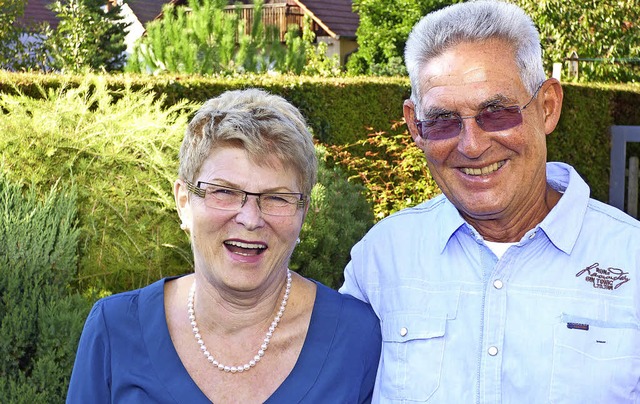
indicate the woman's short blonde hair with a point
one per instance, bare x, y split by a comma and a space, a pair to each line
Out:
263, 124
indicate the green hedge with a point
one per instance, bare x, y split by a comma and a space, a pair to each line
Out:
582, 137
339, 110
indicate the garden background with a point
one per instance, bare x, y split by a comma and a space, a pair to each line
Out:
88, 156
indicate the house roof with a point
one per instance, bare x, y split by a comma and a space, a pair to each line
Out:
147, 10
336, 17
36, 11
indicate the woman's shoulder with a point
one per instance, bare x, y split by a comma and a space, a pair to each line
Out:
127, 302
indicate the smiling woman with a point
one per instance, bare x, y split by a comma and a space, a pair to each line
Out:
242, 327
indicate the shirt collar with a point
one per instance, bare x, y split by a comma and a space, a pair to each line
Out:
450, 222
562, 225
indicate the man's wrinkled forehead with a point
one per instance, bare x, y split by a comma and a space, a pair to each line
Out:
469, 65
444, 77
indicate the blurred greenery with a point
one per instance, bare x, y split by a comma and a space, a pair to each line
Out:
605, 31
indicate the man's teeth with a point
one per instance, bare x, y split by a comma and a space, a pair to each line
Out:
484, 170
245, 245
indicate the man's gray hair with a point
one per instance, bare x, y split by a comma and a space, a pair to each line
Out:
475, 21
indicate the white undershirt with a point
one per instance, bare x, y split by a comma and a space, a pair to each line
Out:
498, 248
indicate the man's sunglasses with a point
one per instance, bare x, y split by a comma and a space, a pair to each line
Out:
490, 119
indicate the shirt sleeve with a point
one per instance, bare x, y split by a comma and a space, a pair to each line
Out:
91, 375
352, 276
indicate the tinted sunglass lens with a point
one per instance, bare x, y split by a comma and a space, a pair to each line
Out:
502, 119
439, 129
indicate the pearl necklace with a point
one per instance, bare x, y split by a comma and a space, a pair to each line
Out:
265, 342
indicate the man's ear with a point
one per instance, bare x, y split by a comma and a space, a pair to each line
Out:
181, 195
409, 112
552, 95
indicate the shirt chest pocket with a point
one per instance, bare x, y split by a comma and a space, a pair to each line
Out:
605, 358
413, 349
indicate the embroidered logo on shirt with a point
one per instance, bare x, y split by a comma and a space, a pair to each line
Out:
578, 326
604, 278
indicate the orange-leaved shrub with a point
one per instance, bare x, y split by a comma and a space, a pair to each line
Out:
391, 167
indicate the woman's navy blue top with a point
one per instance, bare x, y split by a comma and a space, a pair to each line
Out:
125, 354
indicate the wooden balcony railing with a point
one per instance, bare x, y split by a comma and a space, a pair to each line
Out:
280, 15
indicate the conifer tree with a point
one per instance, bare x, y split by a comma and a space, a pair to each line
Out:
203, 38
40, 318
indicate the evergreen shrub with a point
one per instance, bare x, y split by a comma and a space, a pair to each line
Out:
40, 317
338, 216
582, 136
121, 147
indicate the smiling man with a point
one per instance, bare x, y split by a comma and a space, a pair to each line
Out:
512, 286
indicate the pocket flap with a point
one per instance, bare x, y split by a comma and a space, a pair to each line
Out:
401, 327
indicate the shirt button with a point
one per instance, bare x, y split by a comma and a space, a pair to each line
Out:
403, 331
498, 284
493, 351
532, 235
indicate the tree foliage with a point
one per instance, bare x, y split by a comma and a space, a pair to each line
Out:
17, 52
203, 38
384, 28
607, 32
87, 37
11, 10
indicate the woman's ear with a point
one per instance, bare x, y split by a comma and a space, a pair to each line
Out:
552, 95
409, 112
181, 195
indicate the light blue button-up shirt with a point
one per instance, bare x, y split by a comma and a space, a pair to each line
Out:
556, 319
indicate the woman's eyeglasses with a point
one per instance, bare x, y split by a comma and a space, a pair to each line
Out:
490, 119
226, 198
